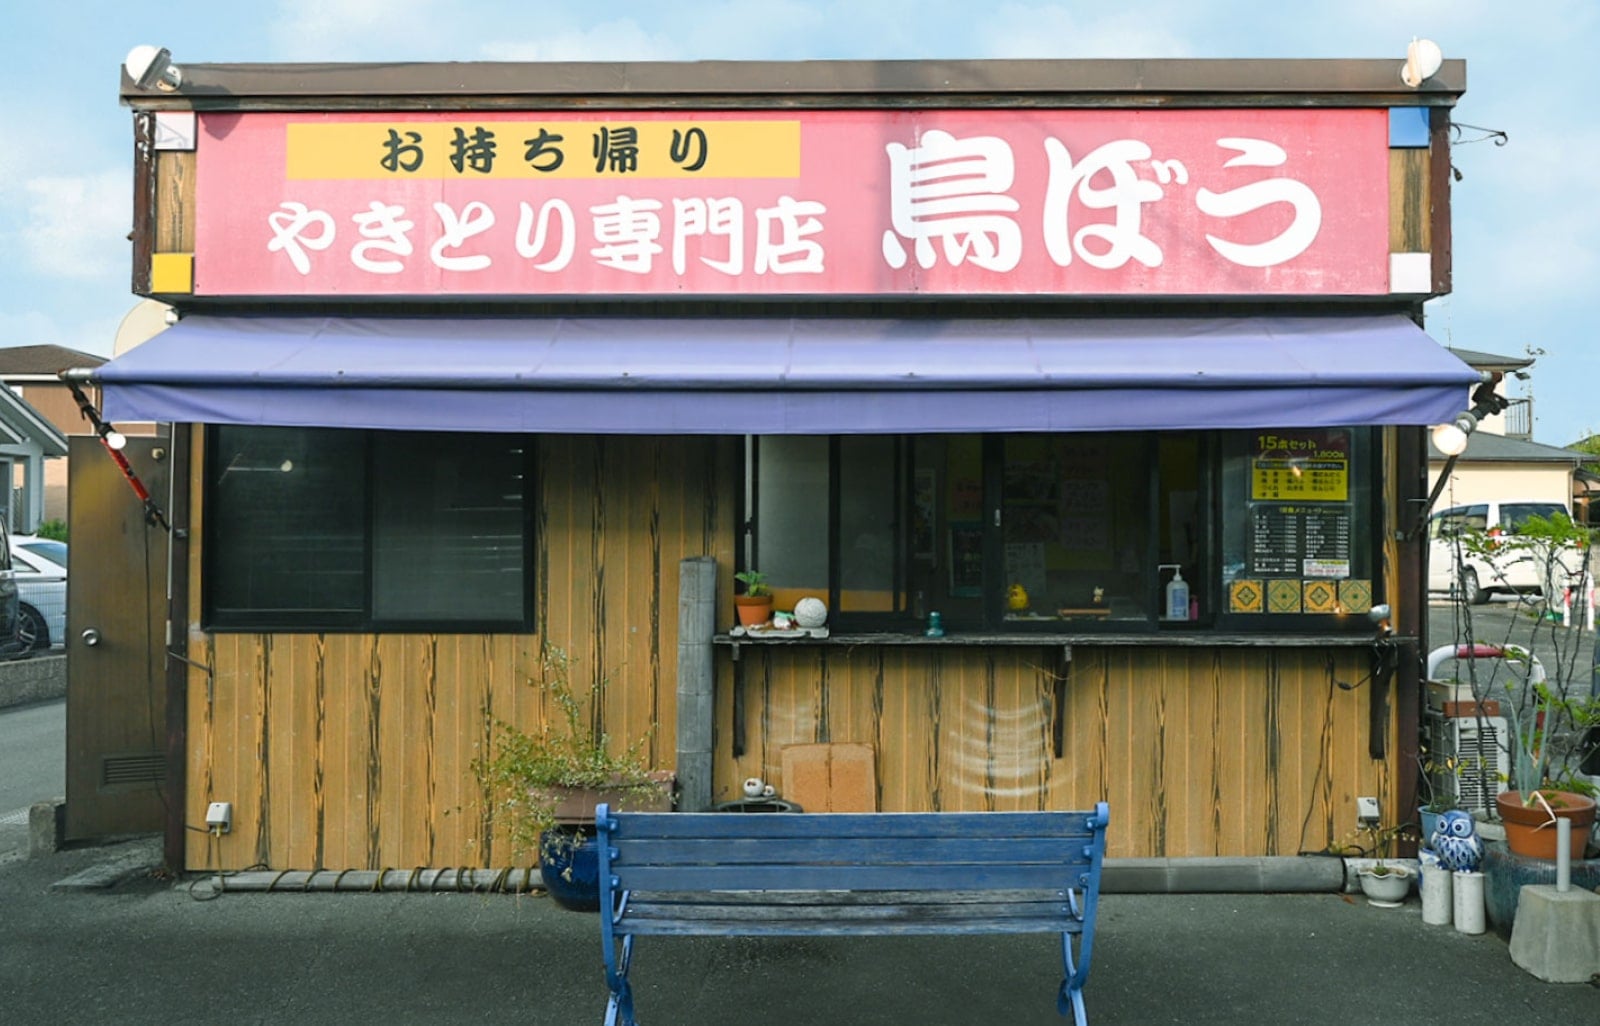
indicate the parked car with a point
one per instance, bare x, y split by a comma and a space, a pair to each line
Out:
12, 643
1501, 565
40, 567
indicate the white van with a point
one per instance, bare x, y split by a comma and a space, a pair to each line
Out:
1514, 569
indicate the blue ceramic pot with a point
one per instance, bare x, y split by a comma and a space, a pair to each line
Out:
569, 865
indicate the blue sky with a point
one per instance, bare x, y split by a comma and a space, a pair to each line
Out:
1527, 214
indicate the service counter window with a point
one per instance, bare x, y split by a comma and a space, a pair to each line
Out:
328, 530
1124, 532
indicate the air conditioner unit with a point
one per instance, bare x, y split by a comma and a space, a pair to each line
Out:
1476, 748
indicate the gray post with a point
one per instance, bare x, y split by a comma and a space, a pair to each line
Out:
697, 622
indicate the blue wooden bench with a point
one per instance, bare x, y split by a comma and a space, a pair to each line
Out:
719, 874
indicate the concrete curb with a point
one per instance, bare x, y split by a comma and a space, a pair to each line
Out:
39, 679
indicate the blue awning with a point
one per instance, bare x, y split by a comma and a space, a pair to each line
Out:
580, 375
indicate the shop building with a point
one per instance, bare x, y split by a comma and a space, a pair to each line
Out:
476, 359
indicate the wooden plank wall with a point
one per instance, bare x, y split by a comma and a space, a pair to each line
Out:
350, 751
1201, 752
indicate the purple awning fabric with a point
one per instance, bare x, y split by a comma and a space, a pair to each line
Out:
788, 376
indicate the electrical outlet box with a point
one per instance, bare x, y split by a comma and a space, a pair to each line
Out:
1367, 810
219, 817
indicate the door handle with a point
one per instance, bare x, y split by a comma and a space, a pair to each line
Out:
91, 637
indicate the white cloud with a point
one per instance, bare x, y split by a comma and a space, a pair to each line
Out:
354, 30
76, 226
1055, 31
622, 40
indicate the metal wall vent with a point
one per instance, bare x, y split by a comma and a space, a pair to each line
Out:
135, 770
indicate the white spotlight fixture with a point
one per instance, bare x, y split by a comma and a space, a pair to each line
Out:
1451, 439
152, 68
1423, 60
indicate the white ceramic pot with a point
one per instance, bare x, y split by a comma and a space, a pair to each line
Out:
1389, 889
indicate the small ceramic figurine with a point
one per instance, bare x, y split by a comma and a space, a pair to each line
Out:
1455, 841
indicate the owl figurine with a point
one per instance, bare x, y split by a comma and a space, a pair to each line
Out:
1455, 840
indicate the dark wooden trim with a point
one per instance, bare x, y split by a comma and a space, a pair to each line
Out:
144, 200
797, 84
1151, 639
1441, 177
1411, 611
177, 645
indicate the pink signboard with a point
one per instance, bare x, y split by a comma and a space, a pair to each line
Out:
823, 203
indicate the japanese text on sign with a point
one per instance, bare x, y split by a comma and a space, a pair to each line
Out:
452, 203
1309, 467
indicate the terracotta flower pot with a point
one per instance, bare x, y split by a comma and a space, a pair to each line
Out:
1530, 830
753, 609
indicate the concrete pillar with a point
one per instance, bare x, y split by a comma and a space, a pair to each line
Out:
697, 622
1556, 936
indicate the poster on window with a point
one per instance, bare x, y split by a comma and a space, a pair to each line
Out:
1301, 466
924, 490
1299, 541
966, 559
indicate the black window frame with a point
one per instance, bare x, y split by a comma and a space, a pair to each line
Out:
1206, 579
362, 621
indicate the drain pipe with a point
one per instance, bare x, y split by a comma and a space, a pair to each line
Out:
512, 880
1270, 874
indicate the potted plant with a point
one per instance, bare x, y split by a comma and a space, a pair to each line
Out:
544, 785
1436, 800
1548, 718
755, 605
1385, 883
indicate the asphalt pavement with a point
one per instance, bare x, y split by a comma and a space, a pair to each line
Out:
120, 944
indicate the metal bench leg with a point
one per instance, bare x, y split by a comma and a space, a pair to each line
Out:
619, 1010
1070, 1000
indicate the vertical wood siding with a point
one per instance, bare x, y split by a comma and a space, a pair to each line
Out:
349, 751
1199, 751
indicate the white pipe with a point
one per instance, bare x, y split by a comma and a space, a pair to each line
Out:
1469, 902
1438, 898
1563, 854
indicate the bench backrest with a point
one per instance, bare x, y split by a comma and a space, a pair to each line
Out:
675, 851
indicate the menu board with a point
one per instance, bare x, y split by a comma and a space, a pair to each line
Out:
1288, 540
1301, 466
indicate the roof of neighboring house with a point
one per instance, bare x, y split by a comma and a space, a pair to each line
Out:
37, 363
1487, 447
20, 423
1489, 361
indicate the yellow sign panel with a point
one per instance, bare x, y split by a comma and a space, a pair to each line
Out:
1314, 467
488, 150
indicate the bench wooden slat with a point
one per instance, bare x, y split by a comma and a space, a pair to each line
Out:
853, 877
840, 928
980, 849
876, 825
842, 898
1052, 910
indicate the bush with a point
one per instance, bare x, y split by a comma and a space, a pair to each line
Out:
56, 530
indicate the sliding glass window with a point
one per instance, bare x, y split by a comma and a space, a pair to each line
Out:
324, 529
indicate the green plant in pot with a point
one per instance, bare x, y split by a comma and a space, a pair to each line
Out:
1385, 883
1440, 789
755, 605
1548, 730
543, 785
1547, 704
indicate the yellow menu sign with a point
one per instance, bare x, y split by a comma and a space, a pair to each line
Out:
1311, 466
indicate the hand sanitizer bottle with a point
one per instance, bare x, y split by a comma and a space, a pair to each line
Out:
1177, 596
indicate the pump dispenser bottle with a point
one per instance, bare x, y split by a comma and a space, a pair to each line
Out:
1177, 595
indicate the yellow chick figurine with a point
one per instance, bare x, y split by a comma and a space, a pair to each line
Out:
1017, 598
